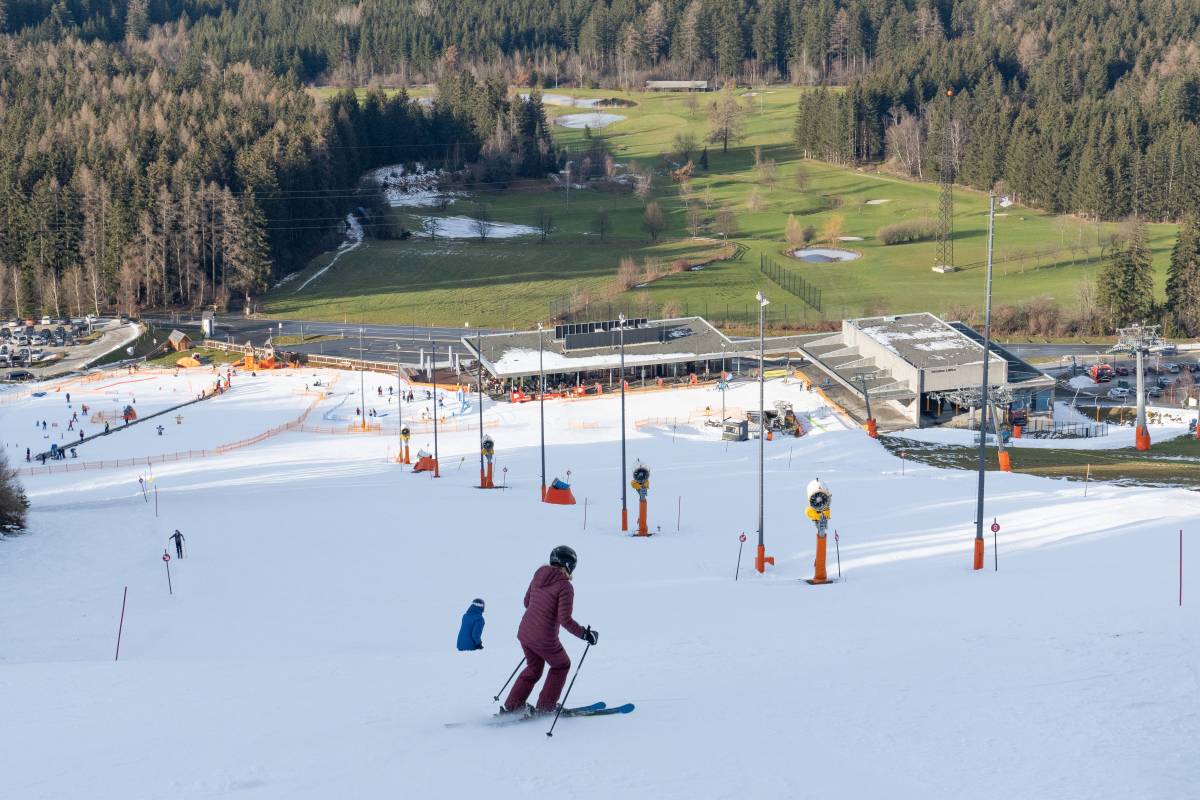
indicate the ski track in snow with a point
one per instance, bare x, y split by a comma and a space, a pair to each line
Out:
354, 235
308, 649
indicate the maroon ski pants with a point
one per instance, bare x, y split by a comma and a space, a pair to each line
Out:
560, 665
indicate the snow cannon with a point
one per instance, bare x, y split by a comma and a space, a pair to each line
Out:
641, 485
559, 493
405, 435
488, 448
819, 501
426, 462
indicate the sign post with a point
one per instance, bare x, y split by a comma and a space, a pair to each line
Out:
167, 564
121, 626
903, 457
741, 542
995, 545
837, 548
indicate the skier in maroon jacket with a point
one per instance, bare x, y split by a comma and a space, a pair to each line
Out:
548, 604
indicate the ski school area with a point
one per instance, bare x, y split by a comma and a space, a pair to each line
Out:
304, 646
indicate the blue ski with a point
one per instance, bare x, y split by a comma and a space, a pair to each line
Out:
602, 711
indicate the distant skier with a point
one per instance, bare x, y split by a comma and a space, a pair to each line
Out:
548, 604
177, 538
470, 632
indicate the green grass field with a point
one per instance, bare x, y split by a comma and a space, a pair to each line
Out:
1172, 463
512, 282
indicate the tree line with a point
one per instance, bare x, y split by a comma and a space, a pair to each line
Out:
138, 174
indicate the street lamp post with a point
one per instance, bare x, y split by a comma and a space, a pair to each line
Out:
399, 403
621, 379
542, 408
983, 394
761, 560
479, 358
362, 380
433, 374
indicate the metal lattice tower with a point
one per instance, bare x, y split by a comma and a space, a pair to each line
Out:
945, 232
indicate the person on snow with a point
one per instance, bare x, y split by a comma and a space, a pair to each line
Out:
549, 601
177, 538
470, 632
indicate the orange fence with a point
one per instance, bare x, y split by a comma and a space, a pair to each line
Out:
183, 455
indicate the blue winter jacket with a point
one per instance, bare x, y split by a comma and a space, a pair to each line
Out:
470, 633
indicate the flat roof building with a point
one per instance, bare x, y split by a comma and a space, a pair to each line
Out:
677, 86
907, 359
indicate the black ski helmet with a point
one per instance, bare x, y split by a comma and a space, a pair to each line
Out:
563, 556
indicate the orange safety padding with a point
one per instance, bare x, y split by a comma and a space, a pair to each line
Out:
819, 574
642, 528
978, 563
559, 497
872, 429
1005, 461
426, 464
1017, 431
1142, 438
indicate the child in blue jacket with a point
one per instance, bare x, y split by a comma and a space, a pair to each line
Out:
470, 633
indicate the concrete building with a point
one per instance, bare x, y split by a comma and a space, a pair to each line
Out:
906, 359
677, 86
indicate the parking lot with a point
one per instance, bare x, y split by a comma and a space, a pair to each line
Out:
1172, 379
34, 348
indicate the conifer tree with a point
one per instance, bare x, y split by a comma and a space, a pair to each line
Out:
1183, 278
1126, 283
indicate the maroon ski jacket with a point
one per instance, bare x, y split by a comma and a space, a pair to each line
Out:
548, 604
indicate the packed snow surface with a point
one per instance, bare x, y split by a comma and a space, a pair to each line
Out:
308, 648
594, 120
468, 228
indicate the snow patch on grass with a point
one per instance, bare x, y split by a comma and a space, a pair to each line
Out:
596, 120
354, 237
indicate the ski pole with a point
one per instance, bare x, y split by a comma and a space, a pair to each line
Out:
510, 677
570, 686
737, 571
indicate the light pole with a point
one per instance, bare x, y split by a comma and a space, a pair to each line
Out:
399, 403
433, 376
362, 377
479, 357
761, 560
542, 408
983, 394
621, 380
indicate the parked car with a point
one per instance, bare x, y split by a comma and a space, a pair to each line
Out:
1164, 381
1171, 367
1169, 350
20, 375
46, 320
1118, 393
1122, 369
1154, 391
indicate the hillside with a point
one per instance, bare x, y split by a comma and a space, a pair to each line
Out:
307, 650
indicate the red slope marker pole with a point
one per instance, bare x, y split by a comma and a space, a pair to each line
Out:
741, 543
121, 627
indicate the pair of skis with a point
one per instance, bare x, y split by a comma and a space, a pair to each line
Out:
599, 709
